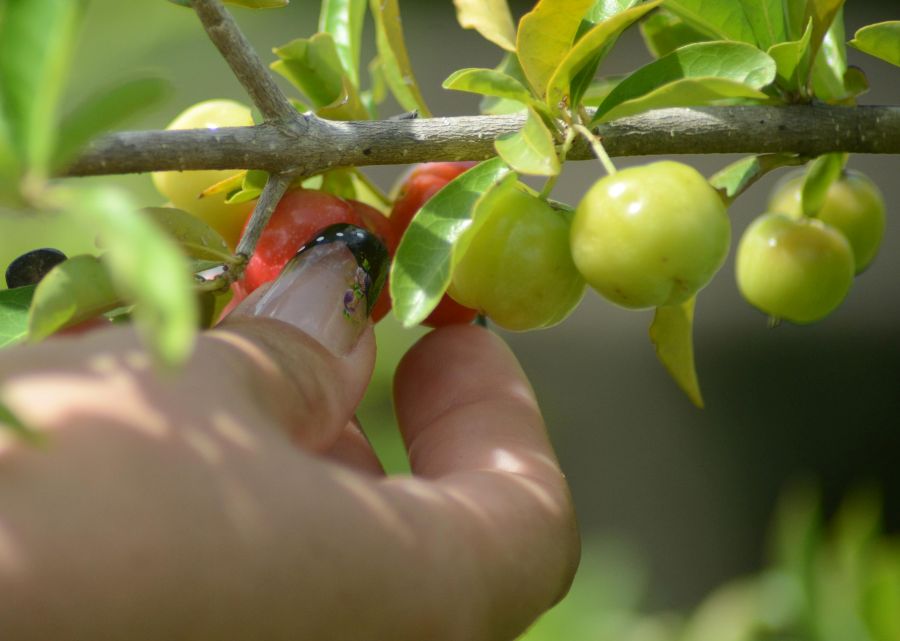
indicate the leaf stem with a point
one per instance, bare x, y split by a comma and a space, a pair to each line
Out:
268, 199
598, 148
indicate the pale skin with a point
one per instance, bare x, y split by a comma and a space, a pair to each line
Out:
237, 500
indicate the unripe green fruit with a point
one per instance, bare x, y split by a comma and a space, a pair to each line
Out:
651, 235
853, 205
518, 269
798, 269
183, 188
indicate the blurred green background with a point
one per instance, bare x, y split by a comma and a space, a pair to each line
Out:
673, 501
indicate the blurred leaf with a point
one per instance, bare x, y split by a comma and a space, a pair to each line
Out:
195, 236
831, 63
422, 266
718, 19
881, 40
794, 18
531, 150
105, 110
737, 177
377, 91
545, 36
9, 421
822, 13
598, 90
249, 4
344, 19
395, 61
74, 291
490, 18
14, 304
795, 533
697, 74
147, 269
497, 106
672, 335
339, 182
588, 53
792, 61
882, 593
36, 40
211, 305
856, 82
490, 82
766, 20
369, 193
664, 32
823, 171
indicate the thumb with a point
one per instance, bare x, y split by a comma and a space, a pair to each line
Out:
308, 334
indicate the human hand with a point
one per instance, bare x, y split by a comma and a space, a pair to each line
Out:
237, 499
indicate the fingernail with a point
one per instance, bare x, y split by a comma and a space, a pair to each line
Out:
329, 287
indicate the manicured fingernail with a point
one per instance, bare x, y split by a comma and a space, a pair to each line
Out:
328, 289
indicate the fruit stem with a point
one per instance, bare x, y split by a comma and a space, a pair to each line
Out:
548, 187
597, 147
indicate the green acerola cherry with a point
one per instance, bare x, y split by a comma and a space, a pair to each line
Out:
650, 236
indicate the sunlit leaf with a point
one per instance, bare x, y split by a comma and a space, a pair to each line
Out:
598, 90
74, 291
697, 74
343, 19
831, 63
36, 40
489, 82
823, 171
664, 32
672, 336
195, 236
251, 186
313, 66
766, 20
604, 9
14, 304
147, 268
531, 150
737, 177
792, 61
491, 18
498, 106
589, 51
105, 110
545, 36
881, 40
422, 266
395, 63
822, 13
718, 19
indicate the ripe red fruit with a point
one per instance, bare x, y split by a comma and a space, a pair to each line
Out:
423, 182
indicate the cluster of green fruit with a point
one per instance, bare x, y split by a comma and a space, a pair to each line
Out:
644, 237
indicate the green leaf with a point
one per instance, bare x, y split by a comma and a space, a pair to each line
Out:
545, 36
14, 304
792, 61
104, 111
344, 19
796, 532
74, 291
490, 82
718, 19
422, 266
831, 63
498, 106
11, 422
672, 336
395, 61
737, 177
604, 9
195, 236
147, 269
250, 186
697, 74
490, 18
211, 306
664, 32
313, 66
340, 183
766, 20
822, 13
589, 52
881, 40
531, 150
36, 40
599, 89
248, 4
823, 171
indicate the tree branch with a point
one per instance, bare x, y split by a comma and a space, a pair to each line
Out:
807, 130
244, 63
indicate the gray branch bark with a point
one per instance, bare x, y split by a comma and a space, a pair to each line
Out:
807, 130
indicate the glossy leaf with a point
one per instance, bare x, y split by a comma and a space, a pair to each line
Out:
718, 19
422, 266
792, 61
395, 63
696, 74
147, 269
531, 150
545, 36
344, 19
589, 51
831, 63
105, 110
496, 105
737, 177
881, 40
822, 13
490, 18
664, 32
12, 423
14, 304
823, 171
604, 9
766, 20
36, 40
672, 336
489, 82
74, 291
196, 238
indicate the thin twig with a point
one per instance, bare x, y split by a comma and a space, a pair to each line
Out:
244, 62
268, 199
806, 130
